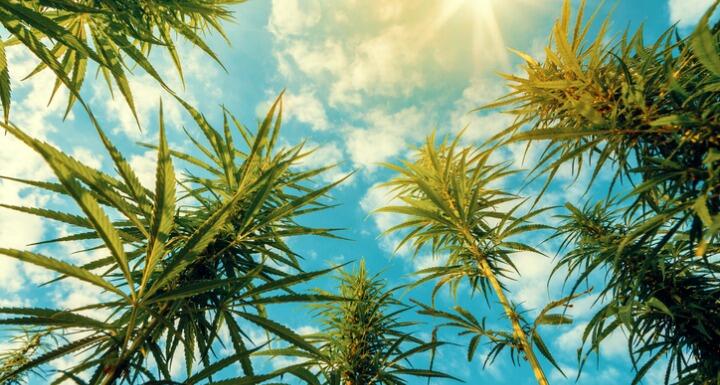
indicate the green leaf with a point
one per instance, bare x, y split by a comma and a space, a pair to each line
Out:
424, 373
62, 268
279, 330
54, 354
655, 303
61, 316
114, 63
286, 282
200, 287
4, 82
472, 346
208, 371
164, 205
704, 44
70, 219
553, 319
305, 375
194, 245
545, 351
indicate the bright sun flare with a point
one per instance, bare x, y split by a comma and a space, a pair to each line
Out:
485, 27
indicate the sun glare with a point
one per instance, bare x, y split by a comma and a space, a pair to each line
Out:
487, 37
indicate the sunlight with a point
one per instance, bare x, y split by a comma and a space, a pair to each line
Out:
486, 26
487, 37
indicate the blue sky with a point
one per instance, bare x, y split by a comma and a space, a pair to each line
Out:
365, 81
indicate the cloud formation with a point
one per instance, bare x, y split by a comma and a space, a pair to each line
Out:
687, 12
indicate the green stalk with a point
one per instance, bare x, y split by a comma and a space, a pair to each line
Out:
518, 331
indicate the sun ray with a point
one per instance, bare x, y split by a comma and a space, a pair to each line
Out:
487, 39
485, 25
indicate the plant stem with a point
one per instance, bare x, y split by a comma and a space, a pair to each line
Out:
113, 375
511, 315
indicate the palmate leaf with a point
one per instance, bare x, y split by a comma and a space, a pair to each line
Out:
212, 267
645, 113
118, 30
195, 245
103, 187
705, 45
99, 220
38, 49
113, 64
450, 210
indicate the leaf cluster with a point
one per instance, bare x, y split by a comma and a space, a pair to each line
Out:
176, 269
647, 114
452, 205
363, 339
67, 35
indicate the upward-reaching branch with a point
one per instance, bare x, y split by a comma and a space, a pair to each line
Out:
451, 207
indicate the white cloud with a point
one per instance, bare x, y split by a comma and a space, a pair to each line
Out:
379, 48
384, 62
291, 17
607, 375
570, 340
307, 330
382, 65
303, 107
17, 230
11, 281
385, 135
145, 166
479, 126
73, 294
32, 113
530, 289
316, 60
88, 157
687, 12
613, 346
427, 261
376, 197
146, 96
379, 63
323, 156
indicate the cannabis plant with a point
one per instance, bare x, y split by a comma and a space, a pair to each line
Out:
646, 115
451, 205
177, 269
363, 338
67, 34
665, 300
25, 345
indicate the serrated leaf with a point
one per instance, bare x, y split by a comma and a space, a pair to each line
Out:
62, 268
278, 330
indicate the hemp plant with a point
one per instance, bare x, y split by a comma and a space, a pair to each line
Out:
450, 204
645, 115
175, 268
114, 34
